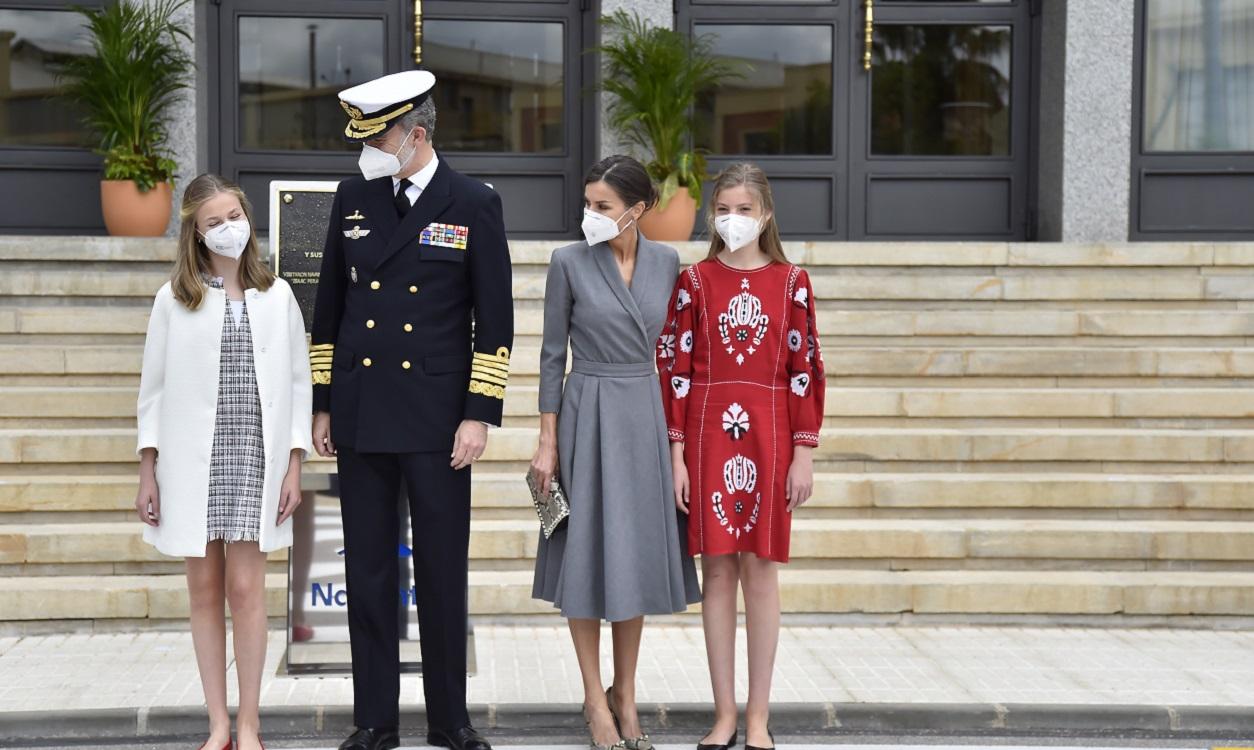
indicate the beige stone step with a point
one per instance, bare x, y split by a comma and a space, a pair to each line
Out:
983, 493
79, 249
974, 493
925, 254
951, 540
79, 282
925, 403
859, 444
84, 402
959, 361
75, 319
963, 592
964, 254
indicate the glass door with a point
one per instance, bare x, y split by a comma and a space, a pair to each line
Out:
509, 98
939, 136
915, 125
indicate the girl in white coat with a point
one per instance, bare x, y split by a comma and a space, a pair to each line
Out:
224, 422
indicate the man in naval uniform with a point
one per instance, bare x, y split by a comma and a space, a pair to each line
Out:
410, 355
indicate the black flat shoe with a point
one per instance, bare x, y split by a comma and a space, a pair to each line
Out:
755, 747
729, 744
462, 738
372, 739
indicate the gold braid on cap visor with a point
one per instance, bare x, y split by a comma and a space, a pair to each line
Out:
360, 128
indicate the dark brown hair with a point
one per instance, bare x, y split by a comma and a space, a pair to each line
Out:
753, 178
192, 263
626, 177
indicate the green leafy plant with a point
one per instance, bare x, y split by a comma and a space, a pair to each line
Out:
127, 85
654, 75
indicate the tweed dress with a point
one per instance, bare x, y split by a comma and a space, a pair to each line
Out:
237, 461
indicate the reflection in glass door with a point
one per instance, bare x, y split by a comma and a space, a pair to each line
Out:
511, 103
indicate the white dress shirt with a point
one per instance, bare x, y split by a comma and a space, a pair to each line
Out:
419, 180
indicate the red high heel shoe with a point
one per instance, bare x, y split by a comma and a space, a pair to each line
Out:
228, 746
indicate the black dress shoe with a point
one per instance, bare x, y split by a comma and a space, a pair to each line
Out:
755, 747
372, 739
462, 738
729, 744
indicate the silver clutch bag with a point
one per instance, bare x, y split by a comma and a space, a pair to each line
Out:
552, 508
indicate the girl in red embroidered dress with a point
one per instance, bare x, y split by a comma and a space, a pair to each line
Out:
743, 386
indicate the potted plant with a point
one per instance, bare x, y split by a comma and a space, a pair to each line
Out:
653, 75
126, 86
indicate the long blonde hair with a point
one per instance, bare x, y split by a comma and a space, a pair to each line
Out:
192, 263
753, 178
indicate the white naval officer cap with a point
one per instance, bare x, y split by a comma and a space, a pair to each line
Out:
375, 106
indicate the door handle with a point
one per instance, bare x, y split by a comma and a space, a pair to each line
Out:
870, 33
417, 32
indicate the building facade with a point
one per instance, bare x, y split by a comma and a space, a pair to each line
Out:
1072, 120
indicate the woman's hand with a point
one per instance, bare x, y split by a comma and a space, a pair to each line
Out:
800, 477
679, 472
289, 493
148, 501
544, 465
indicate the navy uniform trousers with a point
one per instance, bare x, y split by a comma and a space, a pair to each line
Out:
439, 511
412, 328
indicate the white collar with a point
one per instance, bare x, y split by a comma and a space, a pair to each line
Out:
422, 177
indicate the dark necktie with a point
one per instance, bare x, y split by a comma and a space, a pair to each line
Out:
402, 200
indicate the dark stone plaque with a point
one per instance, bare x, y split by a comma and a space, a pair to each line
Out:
299, 212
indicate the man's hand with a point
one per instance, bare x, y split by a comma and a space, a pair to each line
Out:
322, 434
468, 444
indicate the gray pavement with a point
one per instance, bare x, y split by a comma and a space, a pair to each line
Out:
830, 681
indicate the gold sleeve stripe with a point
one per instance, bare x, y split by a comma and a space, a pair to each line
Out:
501, 356
499, 369
320, 360
322, 378
487, 378
323, 357
495, 374
486, 389
316, 347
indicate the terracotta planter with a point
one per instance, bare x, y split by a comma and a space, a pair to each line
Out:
675, 223
130, 213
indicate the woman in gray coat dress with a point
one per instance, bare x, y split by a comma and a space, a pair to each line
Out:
620, 555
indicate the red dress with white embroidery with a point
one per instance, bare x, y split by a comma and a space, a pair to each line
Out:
742, 383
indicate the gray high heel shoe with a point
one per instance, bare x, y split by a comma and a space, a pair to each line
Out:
592, 743
638, 743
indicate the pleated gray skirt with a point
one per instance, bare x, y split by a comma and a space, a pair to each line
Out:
621, 554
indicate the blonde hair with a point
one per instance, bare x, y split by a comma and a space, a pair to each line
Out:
192, 263
753, 178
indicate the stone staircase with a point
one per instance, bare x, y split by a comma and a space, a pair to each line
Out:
1013, 431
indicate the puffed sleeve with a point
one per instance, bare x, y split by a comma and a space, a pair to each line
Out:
152, 374
674, 355
807, 385
302, 383
491, 280
558, 302
328, 309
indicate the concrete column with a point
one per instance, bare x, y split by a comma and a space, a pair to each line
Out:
1086, 120
656, 13
187, 143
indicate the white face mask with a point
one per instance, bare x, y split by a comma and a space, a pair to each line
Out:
228, 238
375, 163
737, 230
599, 228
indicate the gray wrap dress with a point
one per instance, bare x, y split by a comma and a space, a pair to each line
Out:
621, 553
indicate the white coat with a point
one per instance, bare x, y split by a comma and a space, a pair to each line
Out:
178, 399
